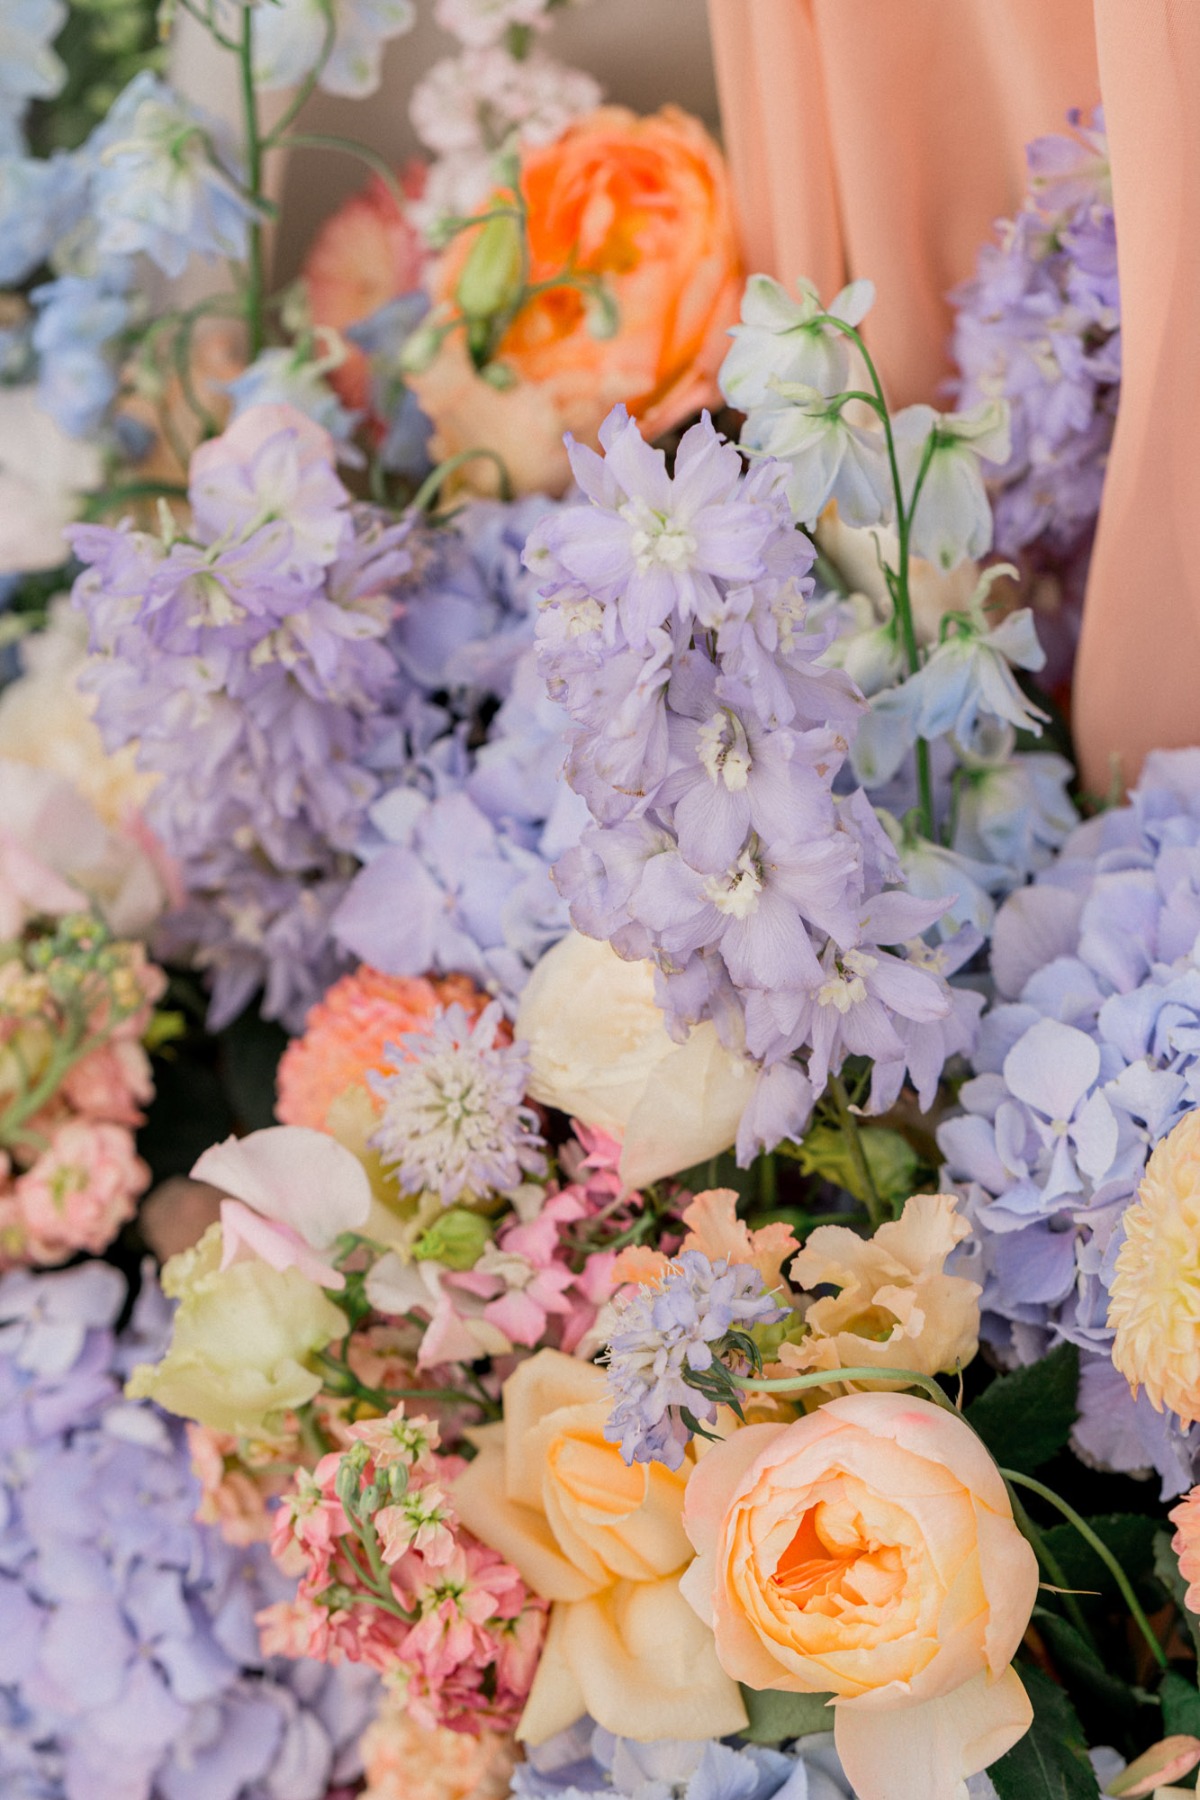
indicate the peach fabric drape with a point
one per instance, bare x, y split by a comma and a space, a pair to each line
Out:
884, 137
1137, 679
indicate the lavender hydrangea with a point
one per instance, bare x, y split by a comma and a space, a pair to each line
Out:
454, 1121
670, 1329
1090, 1056
707, 736
129, 1664
588, 1763
248, 662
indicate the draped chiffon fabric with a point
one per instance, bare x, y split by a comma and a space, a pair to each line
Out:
884, 137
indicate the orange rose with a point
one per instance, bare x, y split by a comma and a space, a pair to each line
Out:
644, 204
868, 1551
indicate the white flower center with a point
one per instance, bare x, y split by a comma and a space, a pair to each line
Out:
789, 609
846, 986
654, 538
724, 751
736, 891
582, 618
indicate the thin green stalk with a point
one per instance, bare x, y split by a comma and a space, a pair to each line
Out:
1054, 1570
433, 483
768, 1193
858, 1153
823, 1378
1096, 1543
323, 140
255, 284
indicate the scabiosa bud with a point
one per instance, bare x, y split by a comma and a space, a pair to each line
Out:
671, 1331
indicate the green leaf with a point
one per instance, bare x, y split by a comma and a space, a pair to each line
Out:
775, 1717
894, 1164
1130, 1537
1166, 1567
1025, 1418
1050, 1762
1081, 1668
1180, 1705
250, 1051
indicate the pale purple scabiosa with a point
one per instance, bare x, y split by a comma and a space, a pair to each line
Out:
667, 1330
1089, 1058
455, 1122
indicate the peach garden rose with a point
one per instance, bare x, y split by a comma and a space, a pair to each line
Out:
645, 204
868, 1551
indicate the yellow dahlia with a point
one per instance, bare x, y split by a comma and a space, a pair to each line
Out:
1154, 1306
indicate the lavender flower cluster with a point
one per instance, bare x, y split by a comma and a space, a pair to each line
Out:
129, 1661
706, 739
1040, 325
1091, 1056
248, 662
666, 1331
589, 1763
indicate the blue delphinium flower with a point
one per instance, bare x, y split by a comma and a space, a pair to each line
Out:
667, 1330
588, 1763
1090, 1057
286, 377
77, 334
290, 36
29, 68
454, 1119
100, 1553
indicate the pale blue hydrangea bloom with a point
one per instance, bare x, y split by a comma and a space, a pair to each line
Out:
454, 1119
289, 37
588, 1763
666, 1331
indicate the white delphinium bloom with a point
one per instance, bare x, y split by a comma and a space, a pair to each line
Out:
29, 68
830, 455
786, 339
482, 22
290, 35
953, 517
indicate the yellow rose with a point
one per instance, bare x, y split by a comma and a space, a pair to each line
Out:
240, 1340
606, 1544
868, 1551
599, 1050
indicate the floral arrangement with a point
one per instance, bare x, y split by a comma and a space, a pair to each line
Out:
535, 831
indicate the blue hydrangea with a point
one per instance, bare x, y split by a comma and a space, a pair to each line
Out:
666, 1331
1089, 1056
129, 1660
589, 1763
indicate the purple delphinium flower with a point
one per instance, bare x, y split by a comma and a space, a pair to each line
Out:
99, 1547
250, 664
706, 739
1089, 1058
454, 1121
666, 1329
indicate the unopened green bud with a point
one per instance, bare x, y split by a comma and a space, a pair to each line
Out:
491, 279
498, 375
420, 348
397, 1480
457, 1239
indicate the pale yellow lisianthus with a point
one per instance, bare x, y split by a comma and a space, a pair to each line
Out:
604, 1543
868, 1551
897, 1308
240, 1343
1151, 1304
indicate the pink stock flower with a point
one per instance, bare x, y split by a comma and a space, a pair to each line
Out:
80, 1191
113, 1083
1186, 1544
231, 1497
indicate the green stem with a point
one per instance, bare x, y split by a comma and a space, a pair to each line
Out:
75, 1046
433, 483
858, 1153
323, 140
254, 160
1054, 1570
823, 1378
768, 1192
1097, 1544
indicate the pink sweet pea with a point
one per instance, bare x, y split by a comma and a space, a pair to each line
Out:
292, 1192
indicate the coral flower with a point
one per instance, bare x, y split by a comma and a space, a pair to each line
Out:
1153, 1301
366, 254
348, 1032
645, 205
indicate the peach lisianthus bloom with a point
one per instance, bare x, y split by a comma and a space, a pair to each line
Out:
1150, 1306
347, 1033
605, 1544
644, 204
716, 1231
868, 1551
898, 1308
366, 253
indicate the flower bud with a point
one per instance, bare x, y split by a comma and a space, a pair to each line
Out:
457, 1239
491, 278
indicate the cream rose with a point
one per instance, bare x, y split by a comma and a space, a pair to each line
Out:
600, 1051
868, 1551
606, 1544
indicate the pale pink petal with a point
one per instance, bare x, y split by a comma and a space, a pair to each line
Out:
296, 1176
246, 1235
926, 1752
